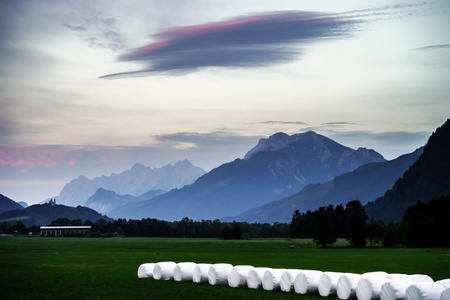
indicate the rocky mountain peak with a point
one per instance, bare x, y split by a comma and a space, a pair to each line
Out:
281, 140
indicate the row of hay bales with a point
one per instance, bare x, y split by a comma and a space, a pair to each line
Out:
373, 285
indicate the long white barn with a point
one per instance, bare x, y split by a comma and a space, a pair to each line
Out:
61, 230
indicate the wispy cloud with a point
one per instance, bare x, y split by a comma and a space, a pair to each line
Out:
435, 47
36, 156
98, 32
282, 122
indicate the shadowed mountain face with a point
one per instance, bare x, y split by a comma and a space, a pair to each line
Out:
366, 183
8, 204
106, 201
276, 167
427, 178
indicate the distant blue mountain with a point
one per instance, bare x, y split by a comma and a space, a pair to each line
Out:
105, 201
135, 182
275, 168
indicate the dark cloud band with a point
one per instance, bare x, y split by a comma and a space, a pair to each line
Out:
251, 41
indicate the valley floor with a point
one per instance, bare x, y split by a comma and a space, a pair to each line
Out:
89, 268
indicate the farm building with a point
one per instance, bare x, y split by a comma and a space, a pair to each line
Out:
61, 230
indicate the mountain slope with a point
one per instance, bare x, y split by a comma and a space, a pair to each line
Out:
105, 201
365, 184
8, 204
427, 178
277, 167
136, 181
44, 214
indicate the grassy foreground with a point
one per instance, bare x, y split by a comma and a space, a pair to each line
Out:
89, 268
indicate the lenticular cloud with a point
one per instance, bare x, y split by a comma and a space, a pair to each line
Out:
250, 41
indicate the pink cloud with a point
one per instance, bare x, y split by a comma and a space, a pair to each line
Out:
36, 156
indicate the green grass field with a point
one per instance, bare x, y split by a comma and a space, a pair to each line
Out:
89, 268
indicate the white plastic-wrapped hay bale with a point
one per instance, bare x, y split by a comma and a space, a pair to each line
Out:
307, 282
287, 280
395, 289
424, 291
164, 270
201, 273
420, 278
444, 282
218, 273
184, 271
254, 277
271, 279
238, 276
346, 285
397, 276
146, 270
369, 287
375, 274
445, 294
328, 283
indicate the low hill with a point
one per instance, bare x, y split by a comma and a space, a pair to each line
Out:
8, 204
365, 184
44, 214
105, 201
427, 178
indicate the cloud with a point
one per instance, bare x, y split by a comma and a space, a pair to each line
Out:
253, 40
249, 41
36, 156
435, 47
337, 124
188, 140
282, 122
98, 32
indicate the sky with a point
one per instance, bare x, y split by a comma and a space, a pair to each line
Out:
93, 87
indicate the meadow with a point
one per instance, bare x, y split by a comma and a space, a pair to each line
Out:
106, 268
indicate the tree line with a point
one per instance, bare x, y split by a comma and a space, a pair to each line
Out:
423, 225
158, 228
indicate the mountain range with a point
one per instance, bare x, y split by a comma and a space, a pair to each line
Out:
275, 168
281, 174
366, 183
134, 182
